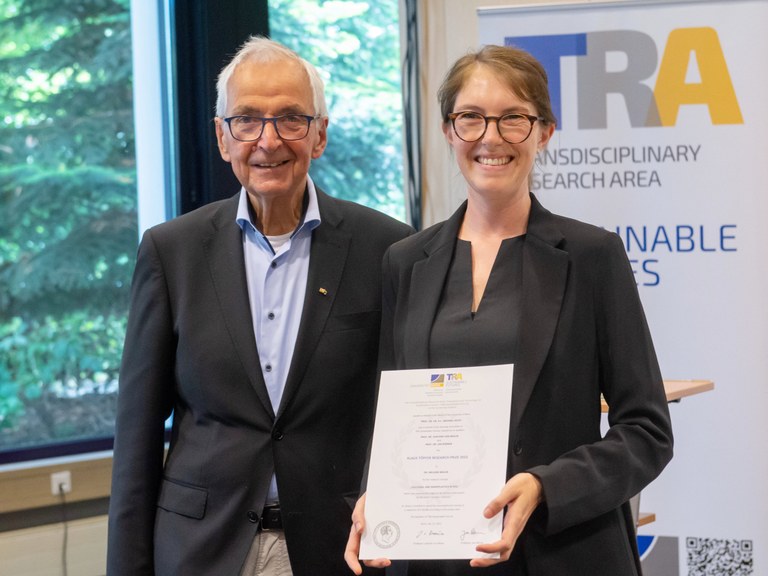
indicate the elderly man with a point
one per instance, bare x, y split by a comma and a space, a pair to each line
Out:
255, 322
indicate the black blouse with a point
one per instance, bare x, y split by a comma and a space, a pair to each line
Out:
490, 335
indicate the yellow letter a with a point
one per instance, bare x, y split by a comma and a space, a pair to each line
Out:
715, 89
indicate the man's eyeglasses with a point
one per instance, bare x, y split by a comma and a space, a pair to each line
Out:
288, 127
514, 128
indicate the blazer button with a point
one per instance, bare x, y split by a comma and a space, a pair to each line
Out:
277, 435
253, 517
518, 449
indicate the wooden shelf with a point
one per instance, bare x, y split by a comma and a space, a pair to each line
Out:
645, 518
679, 389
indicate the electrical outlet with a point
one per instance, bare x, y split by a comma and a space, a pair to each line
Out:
61, 479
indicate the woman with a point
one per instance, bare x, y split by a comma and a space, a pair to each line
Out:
505, 281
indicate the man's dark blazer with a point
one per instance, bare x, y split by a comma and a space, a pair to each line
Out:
190, 349
582, 333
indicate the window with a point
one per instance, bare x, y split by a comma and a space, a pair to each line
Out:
73, 204
68, 218
356, 47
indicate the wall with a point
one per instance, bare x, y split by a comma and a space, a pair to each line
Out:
38, 551
32, 527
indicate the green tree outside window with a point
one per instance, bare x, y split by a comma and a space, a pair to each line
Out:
355, 45
68, 227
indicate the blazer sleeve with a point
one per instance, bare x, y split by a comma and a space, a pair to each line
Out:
597, 477
388, 297
144, 404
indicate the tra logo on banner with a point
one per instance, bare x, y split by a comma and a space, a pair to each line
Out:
678, 82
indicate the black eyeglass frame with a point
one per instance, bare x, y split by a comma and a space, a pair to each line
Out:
274, 120
531, 118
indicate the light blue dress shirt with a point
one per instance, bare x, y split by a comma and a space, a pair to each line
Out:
277, 282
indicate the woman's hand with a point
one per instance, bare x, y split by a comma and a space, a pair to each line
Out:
520, 495
352, 551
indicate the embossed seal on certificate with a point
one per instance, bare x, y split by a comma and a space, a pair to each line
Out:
386, 534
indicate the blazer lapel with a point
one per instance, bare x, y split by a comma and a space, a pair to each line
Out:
224, 251
427, 280
328, 255
545, 269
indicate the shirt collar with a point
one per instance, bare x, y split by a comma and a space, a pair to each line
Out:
310, 219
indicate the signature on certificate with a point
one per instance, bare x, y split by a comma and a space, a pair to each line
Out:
465, 534
428, 534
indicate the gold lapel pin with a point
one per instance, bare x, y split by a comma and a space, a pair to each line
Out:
323, 291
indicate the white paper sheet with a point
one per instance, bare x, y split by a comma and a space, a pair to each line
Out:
439, 455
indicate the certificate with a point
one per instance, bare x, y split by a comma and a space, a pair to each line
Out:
439, 455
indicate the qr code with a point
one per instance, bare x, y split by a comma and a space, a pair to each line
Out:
711, 557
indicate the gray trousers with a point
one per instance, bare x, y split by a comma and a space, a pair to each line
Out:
268, 555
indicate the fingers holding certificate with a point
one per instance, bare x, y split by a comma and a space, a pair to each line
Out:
438, 458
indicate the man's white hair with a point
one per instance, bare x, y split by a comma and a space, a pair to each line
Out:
262, 50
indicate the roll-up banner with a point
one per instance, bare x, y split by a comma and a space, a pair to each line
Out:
662, 112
